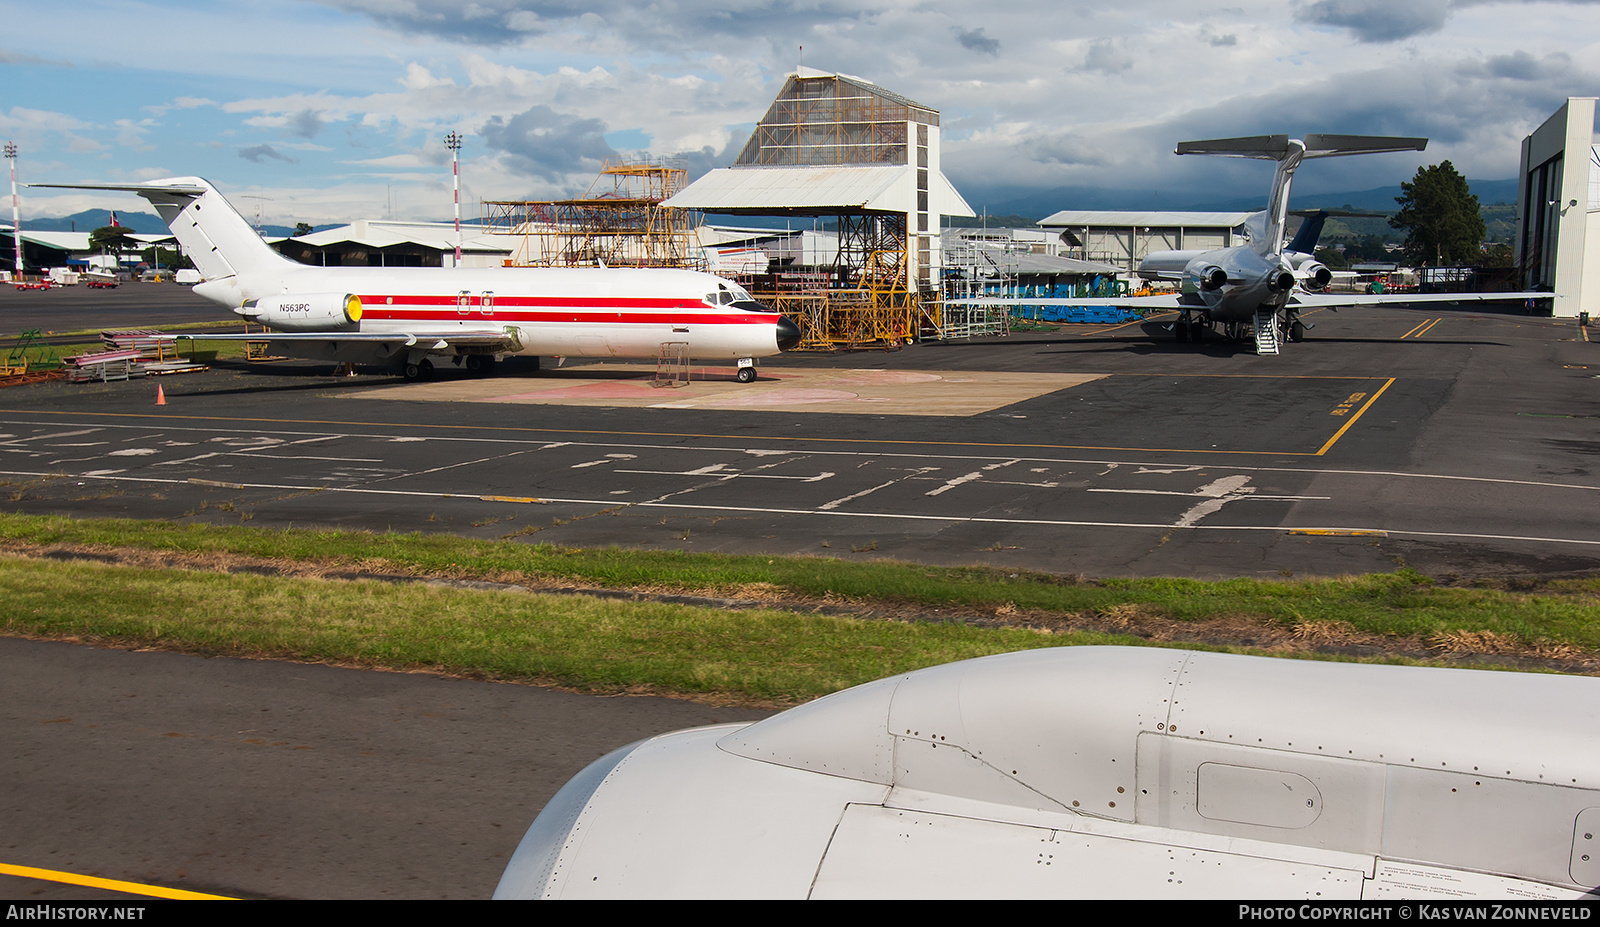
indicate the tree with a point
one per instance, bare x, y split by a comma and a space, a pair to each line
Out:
1441, 217
112, 238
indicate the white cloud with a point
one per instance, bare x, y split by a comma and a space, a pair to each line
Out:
1032, 96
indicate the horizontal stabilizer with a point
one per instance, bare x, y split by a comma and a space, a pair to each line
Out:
1327, 146
172, 189
1268, 147
1278, 147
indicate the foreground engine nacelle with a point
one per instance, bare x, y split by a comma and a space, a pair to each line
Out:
1316, 275
1210, 277
312, 312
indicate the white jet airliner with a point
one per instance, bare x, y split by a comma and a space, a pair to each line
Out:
1258, 289
408, 315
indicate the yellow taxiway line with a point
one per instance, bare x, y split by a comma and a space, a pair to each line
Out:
1422, 329
1362, 411
114, 885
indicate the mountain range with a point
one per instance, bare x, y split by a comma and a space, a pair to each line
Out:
1378, 199
1034, 206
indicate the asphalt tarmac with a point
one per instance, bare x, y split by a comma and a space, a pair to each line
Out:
1452, 441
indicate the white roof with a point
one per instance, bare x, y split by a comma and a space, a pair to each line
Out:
1118, 218
879, 188
440, 236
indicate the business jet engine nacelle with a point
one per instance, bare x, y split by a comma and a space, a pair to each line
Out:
311, 312
1315, 275
1209, 277
1102, 772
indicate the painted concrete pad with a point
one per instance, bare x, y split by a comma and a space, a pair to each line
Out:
859, 391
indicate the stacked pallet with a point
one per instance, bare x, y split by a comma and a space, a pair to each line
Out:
103, 367
130, 354
158, 351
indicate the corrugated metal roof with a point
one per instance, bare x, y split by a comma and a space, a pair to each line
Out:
1126, 218
877, 188
1022, 262
745, 188
436, 235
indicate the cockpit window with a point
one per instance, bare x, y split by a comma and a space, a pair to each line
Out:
736, 296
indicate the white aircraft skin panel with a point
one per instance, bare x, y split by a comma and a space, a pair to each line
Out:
739, 829
843, 734
1441, 727
1114, 772
1218, 788
1069, 736
886, 853
1469, 821
1398, 881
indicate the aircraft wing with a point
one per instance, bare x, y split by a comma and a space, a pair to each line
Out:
434, 341
1302, 298
1162, 301
1334, 300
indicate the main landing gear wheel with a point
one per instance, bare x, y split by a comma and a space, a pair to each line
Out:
421, 370
1181, 330
1297, 331
746, 375
481, 364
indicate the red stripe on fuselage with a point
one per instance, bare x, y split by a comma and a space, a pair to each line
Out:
509, 299
640, 311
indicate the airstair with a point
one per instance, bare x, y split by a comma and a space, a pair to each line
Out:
1267, 332
672, 365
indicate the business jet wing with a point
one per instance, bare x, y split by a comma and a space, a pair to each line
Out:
1337, 300
1159, 301
1301, 297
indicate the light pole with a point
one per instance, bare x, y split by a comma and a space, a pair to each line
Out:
16, 221
453, 142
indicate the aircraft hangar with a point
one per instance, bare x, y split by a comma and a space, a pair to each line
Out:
1558, 210
841, 147
1124, 237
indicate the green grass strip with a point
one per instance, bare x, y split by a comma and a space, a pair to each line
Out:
757, 656
750, 652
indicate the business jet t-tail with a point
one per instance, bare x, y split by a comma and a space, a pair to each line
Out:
411, 315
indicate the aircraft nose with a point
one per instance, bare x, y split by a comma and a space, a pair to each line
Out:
788, 334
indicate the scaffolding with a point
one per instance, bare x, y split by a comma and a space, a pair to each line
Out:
832, 119
862, 299
620, 222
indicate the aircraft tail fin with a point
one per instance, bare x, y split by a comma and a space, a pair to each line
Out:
1305, 240
215, 237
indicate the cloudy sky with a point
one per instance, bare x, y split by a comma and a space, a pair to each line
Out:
329, 110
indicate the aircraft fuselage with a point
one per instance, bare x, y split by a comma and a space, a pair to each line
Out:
573, 312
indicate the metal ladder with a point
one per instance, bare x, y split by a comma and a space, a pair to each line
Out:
672, 364
1267, 332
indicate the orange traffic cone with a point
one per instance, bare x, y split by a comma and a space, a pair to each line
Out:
161, 395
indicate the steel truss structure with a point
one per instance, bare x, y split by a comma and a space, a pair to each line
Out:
620, 222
